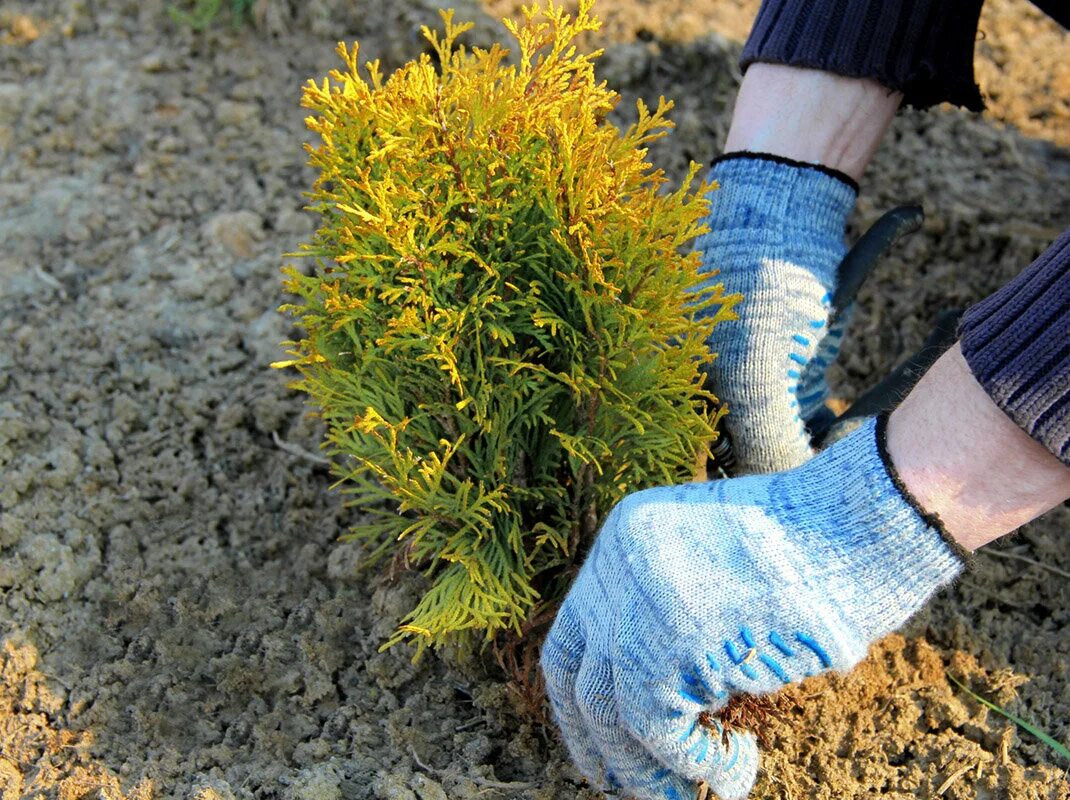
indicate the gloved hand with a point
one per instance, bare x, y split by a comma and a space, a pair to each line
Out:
777, 237
692, 593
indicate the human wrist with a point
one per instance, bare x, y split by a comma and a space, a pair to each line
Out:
811, 116
964, 460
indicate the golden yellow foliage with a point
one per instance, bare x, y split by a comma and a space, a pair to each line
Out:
501, 331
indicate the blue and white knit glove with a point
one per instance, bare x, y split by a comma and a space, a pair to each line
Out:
693, 593
777, 237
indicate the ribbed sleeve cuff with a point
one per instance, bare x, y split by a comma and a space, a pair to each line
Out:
923, 48
1017, 344
764, 203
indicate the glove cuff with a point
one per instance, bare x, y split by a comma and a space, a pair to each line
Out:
931, 518
778, 209
891, 555
751, 155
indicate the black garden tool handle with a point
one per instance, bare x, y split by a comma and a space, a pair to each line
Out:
862, 258
887, 394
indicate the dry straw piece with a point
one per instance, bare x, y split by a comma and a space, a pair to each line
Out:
501, 329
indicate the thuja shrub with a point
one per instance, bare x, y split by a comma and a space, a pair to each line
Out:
501, 331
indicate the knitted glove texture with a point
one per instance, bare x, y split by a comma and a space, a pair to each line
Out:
777, 237
693, 593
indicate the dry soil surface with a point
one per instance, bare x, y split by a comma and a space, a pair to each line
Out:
176, 617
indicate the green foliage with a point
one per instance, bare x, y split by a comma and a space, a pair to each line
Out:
204, 13
500, 330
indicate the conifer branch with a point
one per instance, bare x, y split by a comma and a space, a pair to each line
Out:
499, 330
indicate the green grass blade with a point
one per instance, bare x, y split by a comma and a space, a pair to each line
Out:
1021, 723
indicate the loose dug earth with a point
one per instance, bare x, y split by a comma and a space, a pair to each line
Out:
177, 619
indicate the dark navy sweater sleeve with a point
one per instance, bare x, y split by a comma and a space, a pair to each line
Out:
1017, 343
922, 48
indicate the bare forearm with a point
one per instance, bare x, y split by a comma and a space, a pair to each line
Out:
964, 459
812, 116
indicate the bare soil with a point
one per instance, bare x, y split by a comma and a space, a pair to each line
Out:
176, 618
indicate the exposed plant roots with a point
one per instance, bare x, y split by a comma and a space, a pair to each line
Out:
518, 656
752, 713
